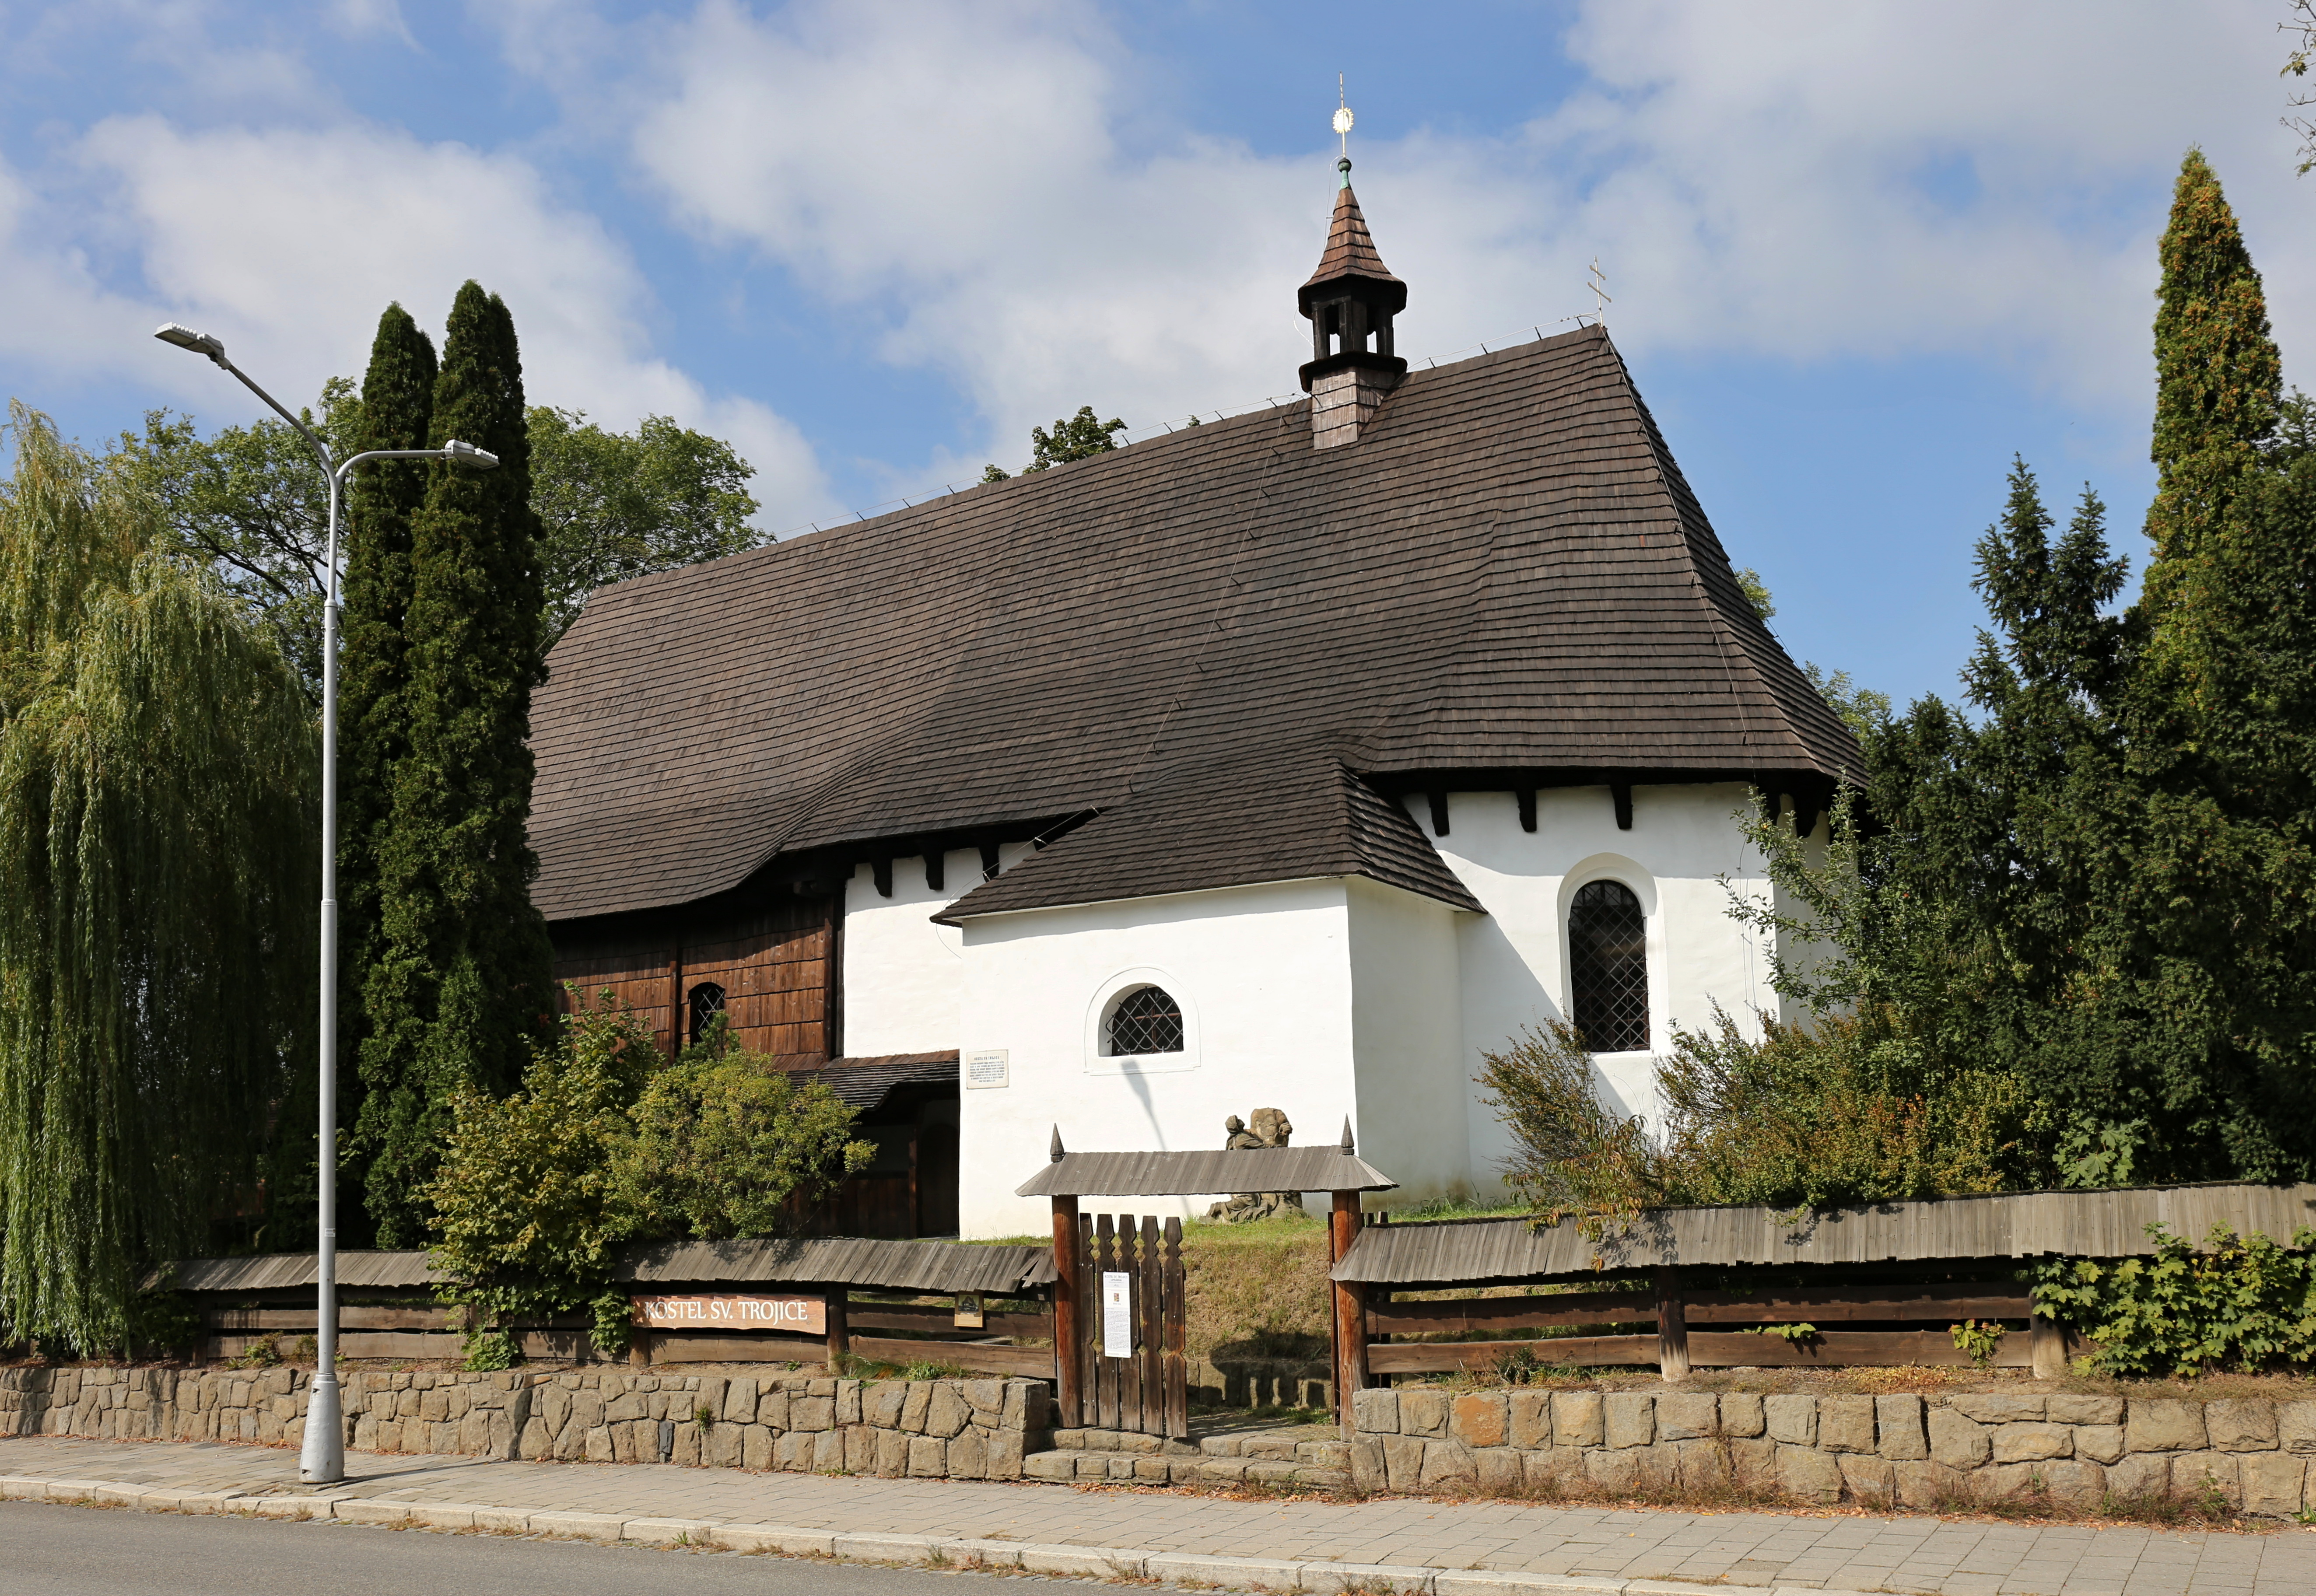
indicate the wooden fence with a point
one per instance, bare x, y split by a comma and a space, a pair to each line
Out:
917, 1331
1861, 1324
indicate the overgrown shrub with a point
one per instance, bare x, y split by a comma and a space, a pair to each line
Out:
1846, 1110
2242, 1302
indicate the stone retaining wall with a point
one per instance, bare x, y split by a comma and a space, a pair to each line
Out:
1917, 1451
959, 1429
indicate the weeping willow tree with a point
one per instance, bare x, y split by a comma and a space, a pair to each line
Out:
158, 775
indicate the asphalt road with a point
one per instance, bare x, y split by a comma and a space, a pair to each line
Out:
47, 1550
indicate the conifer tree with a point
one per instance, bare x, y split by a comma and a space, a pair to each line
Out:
462, 981
397, 400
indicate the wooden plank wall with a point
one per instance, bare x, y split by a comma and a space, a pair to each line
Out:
776, 963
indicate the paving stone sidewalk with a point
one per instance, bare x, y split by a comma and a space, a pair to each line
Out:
1430, 1549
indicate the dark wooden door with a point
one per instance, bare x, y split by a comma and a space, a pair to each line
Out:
1130, 1301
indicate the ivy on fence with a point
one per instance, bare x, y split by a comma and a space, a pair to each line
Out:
2241, 1302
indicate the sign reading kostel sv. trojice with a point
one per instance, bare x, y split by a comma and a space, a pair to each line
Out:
799, 1315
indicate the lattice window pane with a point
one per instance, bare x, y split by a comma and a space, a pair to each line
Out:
1609, 967
1147, 1021
706, 1003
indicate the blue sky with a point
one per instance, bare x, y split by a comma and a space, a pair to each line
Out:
1861, 252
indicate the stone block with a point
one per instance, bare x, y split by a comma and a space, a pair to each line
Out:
739, 1402
882, 1402
2296, 1428
1542, 1472
893, 1456
756, 1446
1477, 1419
828, 1451
1898, 1432
1631, 1419
2195, 1473
1793, 1419
847, 1401
1042, 1466
1956, 1441
595, 1446
1844, 1423
1234, 1468
1868, 1479
1687, 1415
1423, 1413
2083, 1410
1005, 1454
2272, 1484
915, 1408
685, 1455
1498, 1471
1403, 1462
1529, 1419
1806, 1473
928, 1457
947, 1411
2160, 1424
1578, 1418
2032, 1440
813, 1413
1989, 1409
2237, 1424
1926, 1485
1376, 1413
1366, 1465
2100, 1443
1323, 1454
1606, 1469
1743, 1415
968, 1455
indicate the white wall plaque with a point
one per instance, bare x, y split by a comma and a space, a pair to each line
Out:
1117, 1315
987, 1067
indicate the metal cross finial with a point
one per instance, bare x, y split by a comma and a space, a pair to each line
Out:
1342, 117
1602, 298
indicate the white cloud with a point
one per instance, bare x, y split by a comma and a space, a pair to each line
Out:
288, 242
1811, 180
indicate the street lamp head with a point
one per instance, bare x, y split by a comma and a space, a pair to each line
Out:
186, 338
466, 454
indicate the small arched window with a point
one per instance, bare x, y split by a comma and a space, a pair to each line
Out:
1609, 967
706, 1003
1146, 1019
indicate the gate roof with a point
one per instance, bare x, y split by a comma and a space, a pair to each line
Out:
1200, 1173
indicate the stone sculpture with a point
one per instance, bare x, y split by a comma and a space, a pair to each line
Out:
1270, 1128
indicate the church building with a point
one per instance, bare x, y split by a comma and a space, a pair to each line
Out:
1294, 759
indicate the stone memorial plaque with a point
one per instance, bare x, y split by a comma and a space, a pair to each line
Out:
797, 1316
988, 1067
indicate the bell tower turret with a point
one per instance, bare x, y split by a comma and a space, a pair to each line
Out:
1350, 300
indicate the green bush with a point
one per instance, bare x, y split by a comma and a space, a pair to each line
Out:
606, 1144
2243, 1302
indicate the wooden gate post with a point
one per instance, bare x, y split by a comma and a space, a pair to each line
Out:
837, 1300
1672, 1327
1066, 1333
1350, 1308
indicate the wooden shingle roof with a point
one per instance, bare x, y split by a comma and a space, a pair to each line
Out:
1191, 639
1350, 252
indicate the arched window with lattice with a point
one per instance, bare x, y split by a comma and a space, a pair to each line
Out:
1609, 967
1146, 1019
706, 1003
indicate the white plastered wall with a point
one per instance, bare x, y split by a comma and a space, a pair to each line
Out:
1513, 961
1264, 977
905, 976
1407, 1042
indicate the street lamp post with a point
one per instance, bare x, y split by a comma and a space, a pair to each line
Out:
322, 1459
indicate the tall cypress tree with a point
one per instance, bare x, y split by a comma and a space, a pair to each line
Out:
463, 980
398, 403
